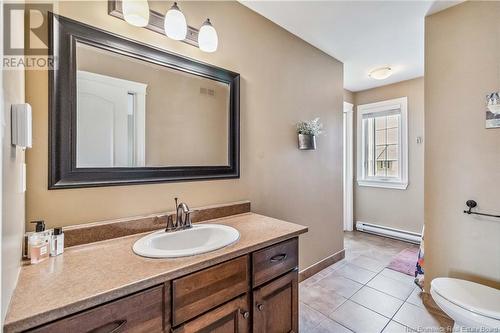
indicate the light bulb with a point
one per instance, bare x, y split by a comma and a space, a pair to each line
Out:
136, 12
175, 23
207, 37
380, 73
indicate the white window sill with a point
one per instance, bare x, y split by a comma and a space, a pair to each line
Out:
384, 184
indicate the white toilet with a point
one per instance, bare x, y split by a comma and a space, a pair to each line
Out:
470, 305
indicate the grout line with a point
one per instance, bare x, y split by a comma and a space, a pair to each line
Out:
347, 328
395, 313
377, 273
366, 285
313, 309
352, 263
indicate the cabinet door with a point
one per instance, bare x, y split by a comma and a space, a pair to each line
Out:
232, 317
276, 305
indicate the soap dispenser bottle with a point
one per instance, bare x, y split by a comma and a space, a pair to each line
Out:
40, 227
39, 243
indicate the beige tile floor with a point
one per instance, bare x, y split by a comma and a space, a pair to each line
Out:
358, 294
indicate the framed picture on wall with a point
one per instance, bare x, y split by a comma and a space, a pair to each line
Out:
493, 110
492, 119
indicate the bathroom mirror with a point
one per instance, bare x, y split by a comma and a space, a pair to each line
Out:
122, 112
134, 113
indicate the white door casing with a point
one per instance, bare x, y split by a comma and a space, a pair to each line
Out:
348, 167
103, 111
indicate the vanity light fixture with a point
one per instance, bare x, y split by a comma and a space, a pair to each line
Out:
207, 37
175, 23
136, 12
381, 73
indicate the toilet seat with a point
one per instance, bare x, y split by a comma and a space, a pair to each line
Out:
471, 302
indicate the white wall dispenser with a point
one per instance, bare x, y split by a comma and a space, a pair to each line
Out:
21, 125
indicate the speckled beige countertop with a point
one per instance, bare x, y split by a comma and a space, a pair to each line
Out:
88, 275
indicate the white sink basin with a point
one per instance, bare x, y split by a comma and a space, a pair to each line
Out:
201, 238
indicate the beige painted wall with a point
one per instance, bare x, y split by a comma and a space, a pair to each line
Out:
348, 96
183, 126
13, 203
462, 158
281, 181
401, 209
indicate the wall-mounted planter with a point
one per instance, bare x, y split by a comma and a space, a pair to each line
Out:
307, 142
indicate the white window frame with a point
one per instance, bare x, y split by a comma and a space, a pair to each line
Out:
400, 183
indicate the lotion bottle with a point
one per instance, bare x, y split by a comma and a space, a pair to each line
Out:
57, 242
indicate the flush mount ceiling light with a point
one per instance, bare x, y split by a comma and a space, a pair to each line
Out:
207, 37
175, 23
136, 12
380, 73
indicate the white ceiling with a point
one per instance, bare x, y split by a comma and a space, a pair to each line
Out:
362, 34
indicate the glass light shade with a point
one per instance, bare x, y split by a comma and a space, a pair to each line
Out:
175, 23
381, 73
207, 37
136, 12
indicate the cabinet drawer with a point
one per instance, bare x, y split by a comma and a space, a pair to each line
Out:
142, 312
204, 290
232, 317
275, 260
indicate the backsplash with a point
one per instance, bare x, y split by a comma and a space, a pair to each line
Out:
99, 231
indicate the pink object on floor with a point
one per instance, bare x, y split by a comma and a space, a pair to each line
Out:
405, 261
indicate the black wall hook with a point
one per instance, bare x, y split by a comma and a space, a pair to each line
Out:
473, 204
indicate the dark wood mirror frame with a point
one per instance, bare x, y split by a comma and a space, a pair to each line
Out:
63, 173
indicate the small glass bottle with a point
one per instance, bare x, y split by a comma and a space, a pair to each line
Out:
39, 247
57, 242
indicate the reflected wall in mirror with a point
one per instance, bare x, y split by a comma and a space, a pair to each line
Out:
132, 113
122, 112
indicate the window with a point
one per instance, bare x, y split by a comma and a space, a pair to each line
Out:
383, 144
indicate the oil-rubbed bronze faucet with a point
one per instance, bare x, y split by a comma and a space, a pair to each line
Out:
183, 218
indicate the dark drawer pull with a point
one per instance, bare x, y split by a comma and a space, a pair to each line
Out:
113, 327
278, 257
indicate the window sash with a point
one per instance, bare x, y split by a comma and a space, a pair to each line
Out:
385, 113
367, 113
370, 155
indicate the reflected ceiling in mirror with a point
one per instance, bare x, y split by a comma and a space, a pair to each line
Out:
134, 113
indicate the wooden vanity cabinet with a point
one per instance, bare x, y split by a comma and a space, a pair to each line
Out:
268, 287
256, 292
